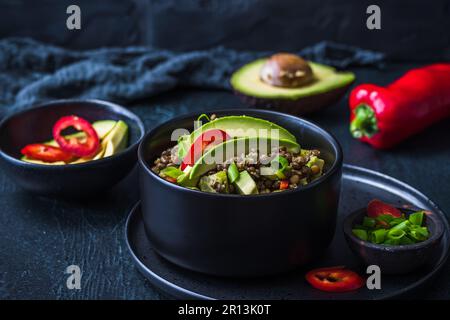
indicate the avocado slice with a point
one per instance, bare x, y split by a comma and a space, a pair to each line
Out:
245, 184
234, 147
113, 142
207, 182
57, 163
114, 136
236, 127
185, 179
116, 140
327, 87
269, 173
102, 127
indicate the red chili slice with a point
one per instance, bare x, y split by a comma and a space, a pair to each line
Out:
334, 279
376, 208
43, 152
85, 147
206, 139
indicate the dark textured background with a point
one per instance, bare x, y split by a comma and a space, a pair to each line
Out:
411, 29
40, 237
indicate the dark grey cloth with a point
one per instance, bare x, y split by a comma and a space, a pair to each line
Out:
32, 72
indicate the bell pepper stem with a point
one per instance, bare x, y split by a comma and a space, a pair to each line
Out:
364, 124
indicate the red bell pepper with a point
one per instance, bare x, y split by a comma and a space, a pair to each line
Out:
85, 147
284, 184
385, 116
334, 279
206, 139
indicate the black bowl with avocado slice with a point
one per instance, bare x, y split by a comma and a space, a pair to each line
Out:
79, 178
240, 235
287, 83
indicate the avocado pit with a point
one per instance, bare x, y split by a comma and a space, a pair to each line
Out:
286, 70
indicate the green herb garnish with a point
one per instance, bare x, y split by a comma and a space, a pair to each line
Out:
388, 230
280, 164
362, 234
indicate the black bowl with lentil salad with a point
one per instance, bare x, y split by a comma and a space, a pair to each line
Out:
223, 233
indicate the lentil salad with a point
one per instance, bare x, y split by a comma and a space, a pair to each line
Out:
283, 167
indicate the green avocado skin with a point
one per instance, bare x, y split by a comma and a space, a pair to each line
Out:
236, 147
236, 127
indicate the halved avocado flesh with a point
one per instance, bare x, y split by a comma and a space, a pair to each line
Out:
236, 127
247, 81
202, 165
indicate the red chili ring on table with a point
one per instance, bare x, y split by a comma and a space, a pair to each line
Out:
43, 152
73, 145
334, 279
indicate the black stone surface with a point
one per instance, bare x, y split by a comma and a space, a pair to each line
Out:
40, 237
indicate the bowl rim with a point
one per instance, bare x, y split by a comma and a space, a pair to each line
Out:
347, 225
329, 137
115, 108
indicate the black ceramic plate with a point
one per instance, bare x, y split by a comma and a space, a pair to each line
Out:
359, 186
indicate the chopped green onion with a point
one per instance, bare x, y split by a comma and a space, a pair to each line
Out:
378, 236
395, 234
280, 161
369, 222
203, 116
404, 226
406, 240
385, 218
279, 164
233, 172
396, 221
416, 218
388, 230
362, 234
171, 172
392, 242
419, 233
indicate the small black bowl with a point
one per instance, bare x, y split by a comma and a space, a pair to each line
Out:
234, 235
73, 180
396, 259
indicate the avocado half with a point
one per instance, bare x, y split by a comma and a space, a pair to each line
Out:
327, 87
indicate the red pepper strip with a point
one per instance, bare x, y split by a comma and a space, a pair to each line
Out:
85, 147
385, 116
376, 208
206, 139
46, 153
334, 279
284, 184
